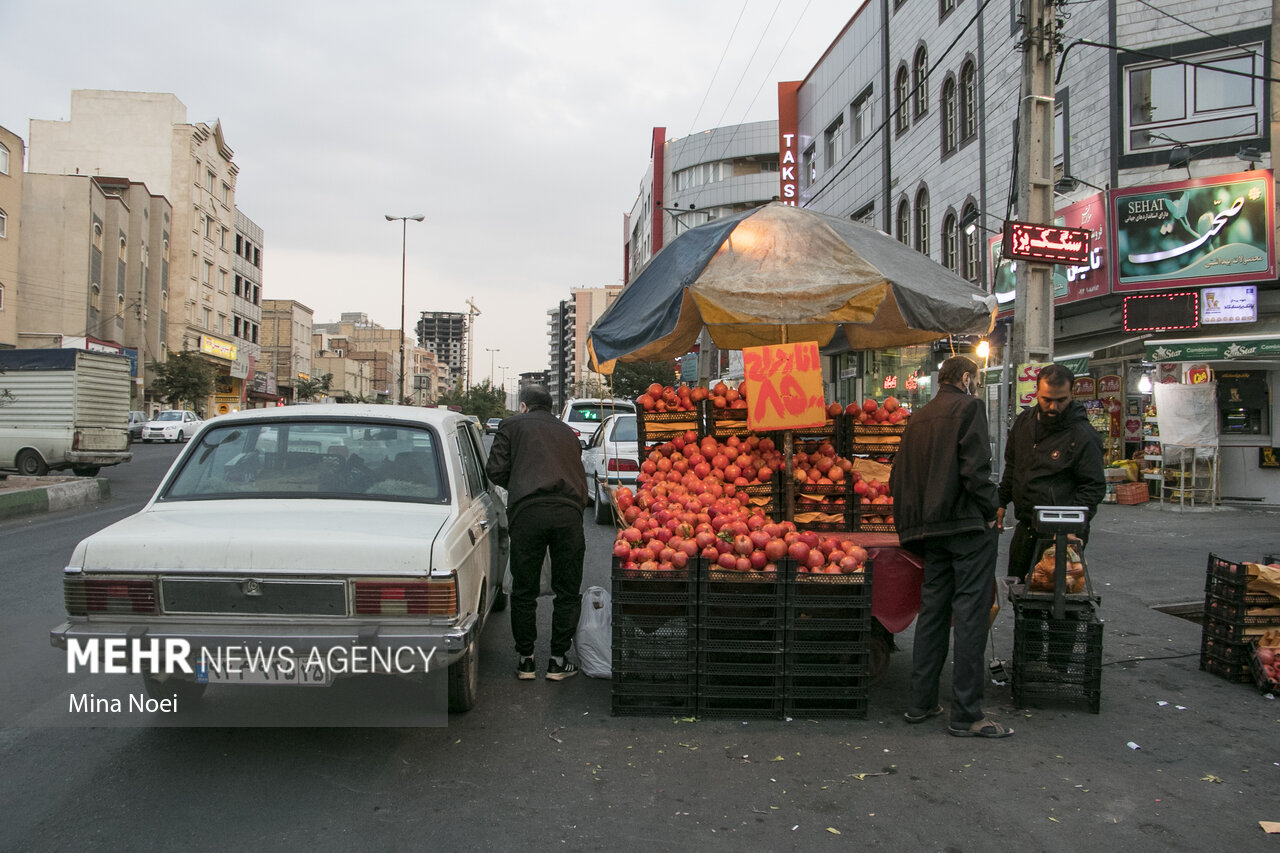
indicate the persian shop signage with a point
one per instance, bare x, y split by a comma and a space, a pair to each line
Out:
788, 141
1204, 231
1213, 349
1071, 282
1027, 241
217, 348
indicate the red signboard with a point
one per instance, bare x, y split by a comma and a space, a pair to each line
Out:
1049, 244
1071, 282
788, 141
1084, 388
784, 385
1108, 385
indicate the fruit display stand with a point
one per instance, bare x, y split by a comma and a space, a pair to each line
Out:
1234, 614
1057, 640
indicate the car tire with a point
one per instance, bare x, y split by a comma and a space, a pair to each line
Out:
186, 693
464, 679
31, 464
86, 471
602, 513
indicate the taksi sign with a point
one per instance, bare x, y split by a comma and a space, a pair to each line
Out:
1208, 231
788, 141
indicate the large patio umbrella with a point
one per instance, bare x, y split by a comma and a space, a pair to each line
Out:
777, 274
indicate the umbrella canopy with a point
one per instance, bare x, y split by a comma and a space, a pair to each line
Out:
780, 273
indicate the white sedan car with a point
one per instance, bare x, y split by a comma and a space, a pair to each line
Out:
306, 528
171, 425
611, 459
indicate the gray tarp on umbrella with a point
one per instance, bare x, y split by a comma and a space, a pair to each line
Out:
780, 273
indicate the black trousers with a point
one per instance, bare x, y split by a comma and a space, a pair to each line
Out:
537, 529
959, 578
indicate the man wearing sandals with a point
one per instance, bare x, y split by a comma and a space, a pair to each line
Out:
945, 510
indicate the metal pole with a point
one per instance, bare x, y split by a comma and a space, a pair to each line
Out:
404, 238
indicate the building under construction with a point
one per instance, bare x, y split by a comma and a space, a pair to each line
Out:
445, 334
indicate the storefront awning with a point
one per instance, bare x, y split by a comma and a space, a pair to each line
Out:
1258, 347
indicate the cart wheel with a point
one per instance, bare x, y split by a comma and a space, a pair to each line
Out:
881, 646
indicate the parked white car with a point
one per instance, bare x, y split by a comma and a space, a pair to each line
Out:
319, 527
611, 459
585, 414
171, 425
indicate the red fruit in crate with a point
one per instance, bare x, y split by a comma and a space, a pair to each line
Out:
809, 538
742, 544
630, 534
710, 554
759, 539
852, 409
680, 560
798, 551
775, 549
621, 549
869, 405
816, 559
834, 410
654, 390
848, 565
890, 404
728, 561
758, 560
649, 566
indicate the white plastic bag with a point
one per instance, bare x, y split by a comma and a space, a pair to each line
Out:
594, 640
544, 585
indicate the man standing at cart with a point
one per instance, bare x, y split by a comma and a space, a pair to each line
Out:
944, 506
538, 459
1053, 457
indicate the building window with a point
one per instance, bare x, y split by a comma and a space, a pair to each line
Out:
166, 247
210, 180
950, 125
124, 249
97, 236
809, 166
863, 122
208, 227
95, 298
968, 101
945, 7
226, 194
865, 214
835, 141
950, 245
197, 172
4, 159
238, 239
206, 277
206, 317
222, 281
971, 241
903, 224
920, 81
1166, 103
901, 93
922, 221
222, 238
1, 297
4, 225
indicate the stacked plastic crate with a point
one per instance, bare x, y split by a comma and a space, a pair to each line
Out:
740, 644
654, 642
1057, 658
1232, 614
827, 657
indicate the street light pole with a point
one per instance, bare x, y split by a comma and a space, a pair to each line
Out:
404, 236
491, 351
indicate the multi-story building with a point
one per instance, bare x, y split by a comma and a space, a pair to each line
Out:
246, 303
444, 333
11, 156
570, 374
92, 269
560, 349
146, 138
359, 337
286, 349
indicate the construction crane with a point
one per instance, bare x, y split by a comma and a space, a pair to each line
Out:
472, 313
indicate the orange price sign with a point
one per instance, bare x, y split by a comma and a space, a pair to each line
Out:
784, 386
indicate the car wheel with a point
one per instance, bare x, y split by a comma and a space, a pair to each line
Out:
31, 464
186, 693
86, 471
464, 679
603, 512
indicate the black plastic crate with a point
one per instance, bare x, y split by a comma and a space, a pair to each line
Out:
800, 680
1057, 658
716, 670
1237, 594
1260, 678
871, 518
723, 423
840, 663
809, 588
1218, 644
723, 634
1227, 661
1234, 575
656, 428
643, 644
653, 699
735, 702
829, 702
1235, 631
875, 439
1238, 612
717, 587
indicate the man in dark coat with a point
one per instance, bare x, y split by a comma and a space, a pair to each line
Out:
536, 457
1053, 457
944, 507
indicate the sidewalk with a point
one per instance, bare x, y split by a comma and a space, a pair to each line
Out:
21, 496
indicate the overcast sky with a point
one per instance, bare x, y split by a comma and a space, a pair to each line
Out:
519, 127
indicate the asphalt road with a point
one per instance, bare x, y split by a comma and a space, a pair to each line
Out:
544, 766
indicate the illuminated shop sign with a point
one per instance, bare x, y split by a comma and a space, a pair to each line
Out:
1160, 311
1071, 282
1053, 244
1229, 305
217, 348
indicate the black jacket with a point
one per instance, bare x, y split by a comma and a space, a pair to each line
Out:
1063, 468
537, 458
941, 478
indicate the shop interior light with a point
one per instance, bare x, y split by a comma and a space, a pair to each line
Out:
984, 349
1144, 384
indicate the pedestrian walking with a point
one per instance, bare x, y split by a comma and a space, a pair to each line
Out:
1053, 457
536, 457
944, 506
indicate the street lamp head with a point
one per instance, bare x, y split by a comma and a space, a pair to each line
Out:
418, 217
390, 218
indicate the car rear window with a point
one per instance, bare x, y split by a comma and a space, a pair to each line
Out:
324, 460
624, 429
595, 412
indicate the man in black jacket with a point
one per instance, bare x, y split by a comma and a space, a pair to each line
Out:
536, 457
1053, 457
944, 507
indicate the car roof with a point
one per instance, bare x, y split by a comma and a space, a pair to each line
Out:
347, 411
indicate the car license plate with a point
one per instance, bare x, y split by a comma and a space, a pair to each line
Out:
289, 672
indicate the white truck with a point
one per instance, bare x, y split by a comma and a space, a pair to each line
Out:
63, 408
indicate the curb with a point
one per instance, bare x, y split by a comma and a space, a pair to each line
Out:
53, 497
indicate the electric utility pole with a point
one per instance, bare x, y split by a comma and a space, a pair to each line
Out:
1033, 308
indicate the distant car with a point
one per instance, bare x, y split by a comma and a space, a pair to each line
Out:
612, 459
309, 528
171, 425
491, 425
137, 420
584, 415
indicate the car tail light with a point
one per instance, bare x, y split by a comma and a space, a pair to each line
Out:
433, 597
621, 464
83, 596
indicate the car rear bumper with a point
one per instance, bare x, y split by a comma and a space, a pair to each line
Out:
448, 641
97, 457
